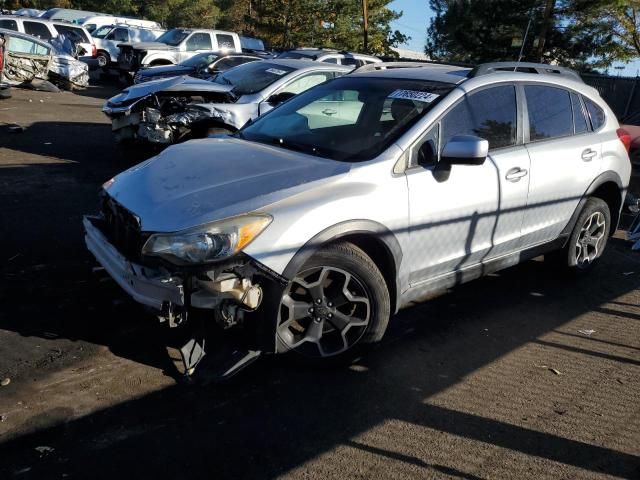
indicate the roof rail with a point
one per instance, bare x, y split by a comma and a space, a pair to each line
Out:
524, 67
391, 65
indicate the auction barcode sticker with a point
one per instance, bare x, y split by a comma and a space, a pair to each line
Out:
276, 71
416, 95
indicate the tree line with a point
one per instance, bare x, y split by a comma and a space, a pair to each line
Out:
281, 23
583, 34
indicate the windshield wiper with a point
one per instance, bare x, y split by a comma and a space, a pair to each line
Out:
299, 147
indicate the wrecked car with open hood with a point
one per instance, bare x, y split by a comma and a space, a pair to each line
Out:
176, 109
28, 58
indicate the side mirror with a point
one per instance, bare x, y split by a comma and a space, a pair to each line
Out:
465, 150
281, 97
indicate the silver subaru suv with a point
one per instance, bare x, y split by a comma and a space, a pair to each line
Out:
309, 228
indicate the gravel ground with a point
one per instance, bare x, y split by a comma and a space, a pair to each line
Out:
492, 380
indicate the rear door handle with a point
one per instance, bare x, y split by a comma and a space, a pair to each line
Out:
588, 154
515, 174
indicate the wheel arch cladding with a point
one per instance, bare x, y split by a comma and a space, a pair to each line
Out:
377, 241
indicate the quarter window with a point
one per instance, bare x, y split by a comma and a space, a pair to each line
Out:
489, 114
199, 41
550, 112
39, 30
579, 120
595, 113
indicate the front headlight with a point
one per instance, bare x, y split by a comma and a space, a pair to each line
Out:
209, 242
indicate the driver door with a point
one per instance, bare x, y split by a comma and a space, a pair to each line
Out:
463, 215
198, 42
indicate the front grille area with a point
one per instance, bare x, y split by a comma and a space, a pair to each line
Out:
122, 229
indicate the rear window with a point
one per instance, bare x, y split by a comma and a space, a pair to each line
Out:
9, 25
36, 29
72, 31
550, 112
596, 114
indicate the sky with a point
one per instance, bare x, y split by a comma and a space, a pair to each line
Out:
415, 20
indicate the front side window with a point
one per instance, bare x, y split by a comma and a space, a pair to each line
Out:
173, 37
199, 41
489, 114
36, 29
596, 114
352, 61
550, 112
349, 118
102, 31
119, 35
306, 82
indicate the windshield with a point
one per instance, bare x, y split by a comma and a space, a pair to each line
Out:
173, 37
200, 61
348, 119
102, 31
252, 77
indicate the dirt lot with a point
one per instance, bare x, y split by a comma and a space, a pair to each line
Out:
492, 380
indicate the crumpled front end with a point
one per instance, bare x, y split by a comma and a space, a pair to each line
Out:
165, 118
69, 73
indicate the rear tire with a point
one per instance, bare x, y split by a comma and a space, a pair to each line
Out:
336, 304
588, 239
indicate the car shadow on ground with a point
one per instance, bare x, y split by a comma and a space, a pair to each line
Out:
279, 415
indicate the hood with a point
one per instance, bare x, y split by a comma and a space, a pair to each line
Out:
165, 70
146, 46
206, 180
173, 84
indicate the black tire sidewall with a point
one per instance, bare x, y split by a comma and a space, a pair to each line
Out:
352, 259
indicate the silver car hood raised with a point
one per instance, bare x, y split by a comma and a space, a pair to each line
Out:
174, 84
201, 181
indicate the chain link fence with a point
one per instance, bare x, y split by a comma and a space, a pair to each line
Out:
621, 93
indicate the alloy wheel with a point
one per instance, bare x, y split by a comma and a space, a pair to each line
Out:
590, 239
324, 312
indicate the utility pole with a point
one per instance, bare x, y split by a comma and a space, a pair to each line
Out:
546, 20
365, 23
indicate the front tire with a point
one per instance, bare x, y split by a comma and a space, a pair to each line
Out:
337, 303
588, 238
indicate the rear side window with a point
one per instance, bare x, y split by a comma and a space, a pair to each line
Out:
225, 41
352, 61
72, 32
36, 29
9, 25
596, 114
489, 114
579, 119
550, 112
199, 41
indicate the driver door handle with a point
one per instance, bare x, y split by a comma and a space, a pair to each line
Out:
588, 154
515, 174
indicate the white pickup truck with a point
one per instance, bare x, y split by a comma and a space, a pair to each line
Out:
175, 46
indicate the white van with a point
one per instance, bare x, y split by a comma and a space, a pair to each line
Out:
108, 37
96, 21
49, 29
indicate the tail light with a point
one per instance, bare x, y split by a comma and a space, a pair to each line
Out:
625, 138
94, 50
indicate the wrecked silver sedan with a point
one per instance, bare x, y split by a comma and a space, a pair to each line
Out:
176, 109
